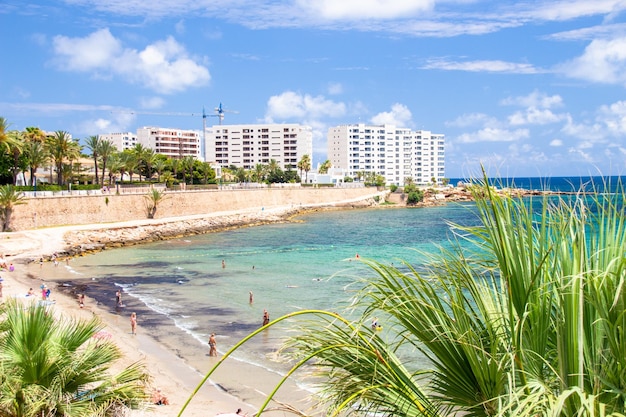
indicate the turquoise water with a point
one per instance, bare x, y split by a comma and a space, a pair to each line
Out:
308, 264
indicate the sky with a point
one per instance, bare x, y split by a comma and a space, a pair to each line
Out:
523, 88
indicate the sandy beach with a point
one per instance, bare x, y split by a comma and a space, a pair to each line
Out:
234, 385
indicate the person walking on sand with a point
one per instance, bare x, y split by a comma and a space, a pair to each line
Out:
212, 345
133, 323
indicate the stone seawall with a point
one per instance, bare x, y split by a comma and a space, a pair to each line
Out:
111, 208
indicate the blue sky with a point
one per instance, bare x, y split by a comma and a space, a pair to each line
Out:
527, 88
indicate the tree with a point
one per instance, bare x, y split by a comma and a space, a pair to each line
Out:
55, 367
522, 315
153, 199
187, 164
4, 129
525, 320
129, 163
326, 165
15, 144
37, 156
305, 165
9, 198
61, 147
258, 175
106, 149
160, 163
93, 144
34, 134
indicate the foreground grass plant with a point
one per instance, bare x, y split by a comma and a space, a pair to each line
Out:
523, 316
55, 367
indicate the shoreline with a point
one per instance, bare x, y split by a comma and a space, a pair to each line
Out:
234, 385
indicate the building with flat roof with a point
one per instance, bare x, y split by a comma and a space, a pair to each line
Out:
174, 143
247, 145
121, 140
395, 153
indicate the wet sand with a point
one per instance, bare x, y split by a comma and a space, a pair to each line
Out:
174, 359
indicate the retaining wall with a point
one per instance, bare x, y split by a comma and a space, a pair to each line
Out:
107, 208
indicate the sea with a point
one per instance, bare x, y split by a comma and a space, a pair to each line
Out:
203, 284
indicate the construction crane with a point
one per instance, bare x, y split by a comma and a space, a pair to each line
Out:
219, 112
181, 114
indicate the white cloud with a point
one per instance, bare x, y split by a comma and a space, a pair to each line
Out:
604, 61
556, 142
365, 9
93, 52
572, 9
493, 134
426, 18
163, 66
292, 105
151, 102
472, 119
335, 89
481, 66
534, 116
180, 27
400, 115
613, 117
535, 99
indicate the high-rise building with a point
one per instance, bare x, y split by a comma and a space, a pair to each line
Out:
121, 140
395, 153
247, 145
174, 143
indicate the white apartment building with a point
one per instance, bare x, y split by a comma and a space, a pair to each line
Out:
395, 153
251, 144
122, 140
174, 143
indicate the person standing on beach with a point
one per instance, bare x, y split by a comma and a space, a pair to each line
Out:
133, 323
223, 263
212, 345
118, 298
266, 317
81, 300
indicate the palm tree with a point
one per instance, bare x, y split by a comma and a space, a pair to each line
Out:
93, 144
15, 143
159, 166
37, 156
115, 165
153, 199
326, 165
129, 162
106, 149
523, 315
4, 128
34, 134
61, 147
141, 154
187, 164
304, 165
259, 173
55, 367
9, 198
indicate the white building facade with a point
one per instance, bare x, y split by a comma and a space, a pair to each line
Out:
247, 145
121, 140
174, 143
395, 153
